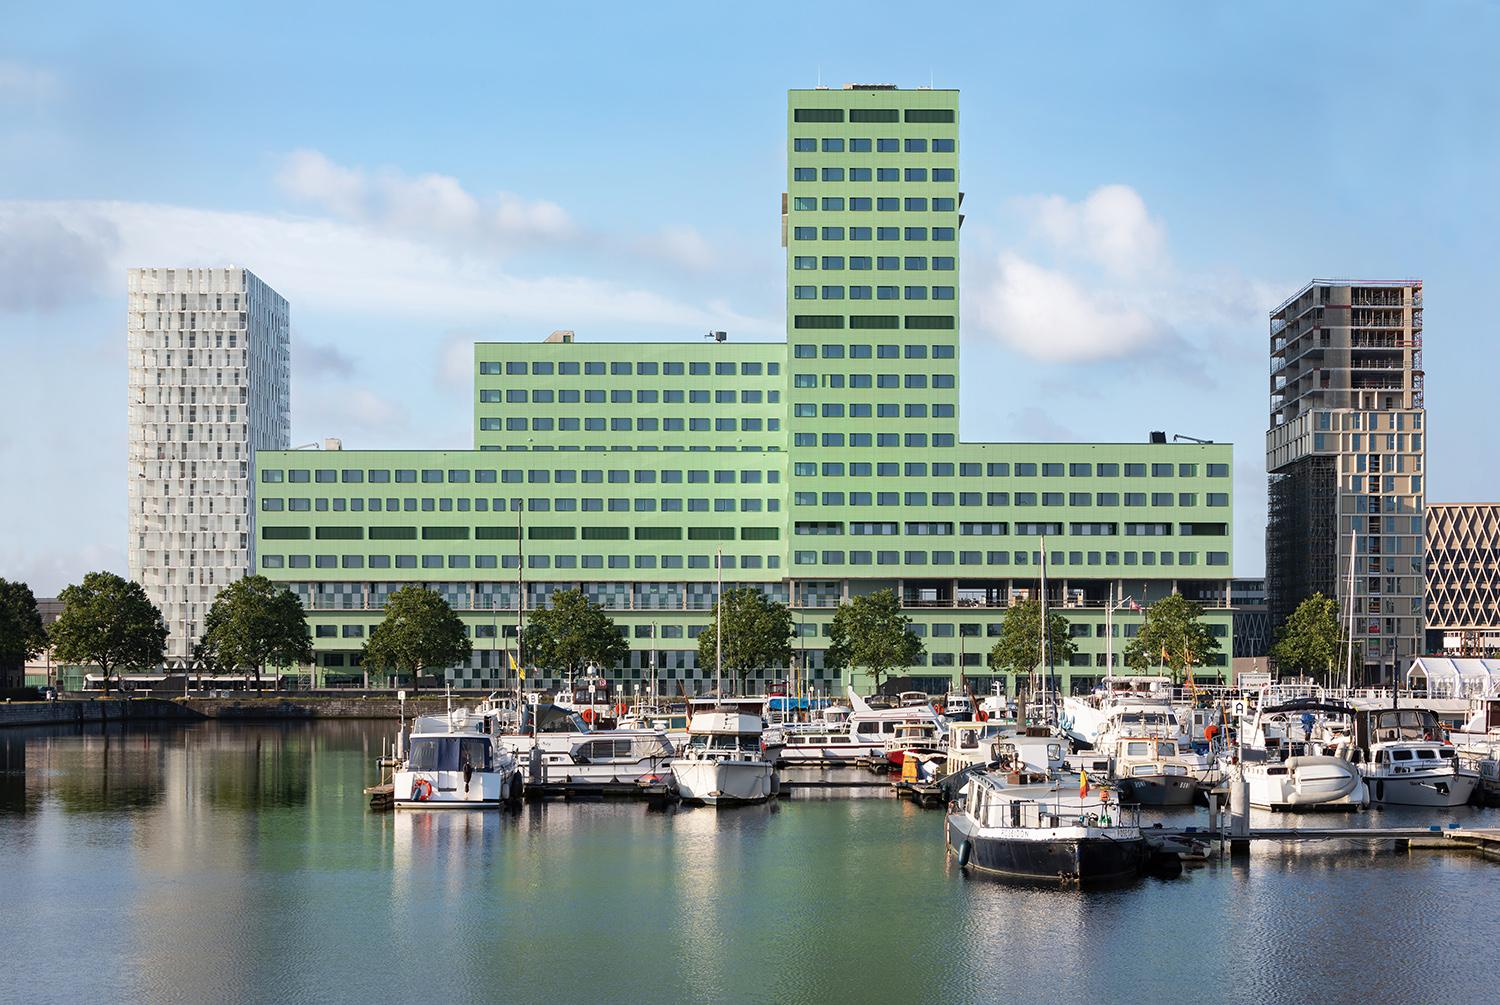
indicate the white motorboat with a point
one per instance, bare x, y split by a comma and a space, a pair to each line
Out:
1038, 832
875, 727
673, 723
1313, 772
1406, 762
568, 750
1150, 771
725, 761
825, 745
1083, 717
452, 762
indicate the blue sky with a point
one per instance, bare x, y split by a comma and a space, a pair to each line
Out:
1143, 183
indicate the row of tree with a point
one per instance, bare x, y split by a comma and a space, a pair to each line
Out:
254, 624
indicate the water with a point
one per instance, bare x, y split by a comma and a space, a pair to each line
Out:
223, 862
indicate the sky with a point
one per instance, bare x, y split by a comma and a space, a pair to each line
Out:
1143, 184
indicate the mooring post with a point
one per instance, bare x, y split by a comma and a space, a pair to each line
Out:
1239, 817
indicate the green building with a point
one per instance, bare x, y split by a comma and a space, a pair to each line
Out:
816, 470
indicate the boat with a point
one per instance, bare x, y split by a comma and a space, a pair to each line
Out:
911, 738
453, 762
876, 726
1083, 717
555, 744
1151, 771
1040, 833
725, 762
671, 722
1406, 761
824, 745
1315, 772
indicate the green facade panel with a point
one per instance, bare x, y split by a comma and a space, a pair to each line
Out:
815, 469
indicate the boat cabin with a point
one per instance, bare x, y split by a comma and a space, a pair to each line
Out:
450, 753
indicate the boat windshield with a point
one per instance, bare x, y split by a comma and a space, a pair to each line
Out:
449, 753
723, 743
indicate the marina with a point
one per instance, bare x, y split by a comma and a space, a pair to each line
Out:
166, 829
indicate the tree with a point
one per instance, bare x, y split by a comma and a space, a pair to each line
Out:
21, 633
871, 632
1172, 635
1019, 650
254, 623
419, 632
571, 633
1311, 639
757, 633
111, 623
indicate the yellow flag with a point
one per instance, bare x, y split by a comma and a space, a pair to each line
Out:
520, 670
1083, 784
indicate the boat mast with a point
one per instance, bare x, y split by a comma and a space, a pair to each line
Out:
1349, 617
1046, 653
520, 601
719, 624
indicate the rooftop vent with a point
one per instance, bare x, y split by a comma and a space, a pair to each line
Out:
561, 335
1158, 436
869, 87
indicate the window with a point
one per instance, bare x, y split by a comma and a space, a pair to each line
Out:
817, 115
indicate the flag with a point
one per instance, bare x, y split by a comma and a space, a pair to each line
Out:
520, 670
1134, 606
1083, 784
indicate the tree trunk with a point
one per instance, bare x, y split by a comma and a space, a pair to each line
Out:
105, 668
416, 681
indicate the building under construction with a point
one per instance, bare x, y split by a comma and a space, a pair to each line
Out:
1345, 451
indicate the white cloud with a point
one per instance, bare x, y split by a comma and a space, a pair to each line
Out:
320, 359
456, 363
683, 246
350, 268
26, 86
46, 259
1049, 316
1110, 227
428, 206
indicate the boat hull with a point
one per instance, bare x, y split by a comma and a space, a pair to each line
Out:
1306, 783
1158, 790
1440, 791
724, 782
1083, 858
447, 790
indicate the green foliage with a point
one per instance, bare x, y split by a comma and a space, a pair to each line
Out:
254, 624
757, 633
419, 632
111, 623
1173, 635
870, 631
1310, 640
571, 633
21, 633
1019, 650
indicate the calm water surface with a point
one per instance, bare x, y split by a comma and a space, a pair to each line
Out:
221, 862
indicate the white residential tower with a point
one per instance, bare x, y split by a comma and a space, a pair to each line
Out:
210, 384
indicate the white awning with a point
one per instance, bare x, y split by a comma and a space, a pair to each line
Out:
1444, 677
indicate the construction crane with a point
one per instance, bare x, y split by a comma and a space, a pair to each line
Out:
1190, 439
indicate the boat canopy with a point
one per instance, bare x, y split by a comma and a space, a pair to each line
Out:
1447, 677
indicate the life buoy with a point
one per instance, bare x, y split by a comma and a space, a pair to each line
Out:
965, 850
621, 708
587, 715
421, 790
982, 716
